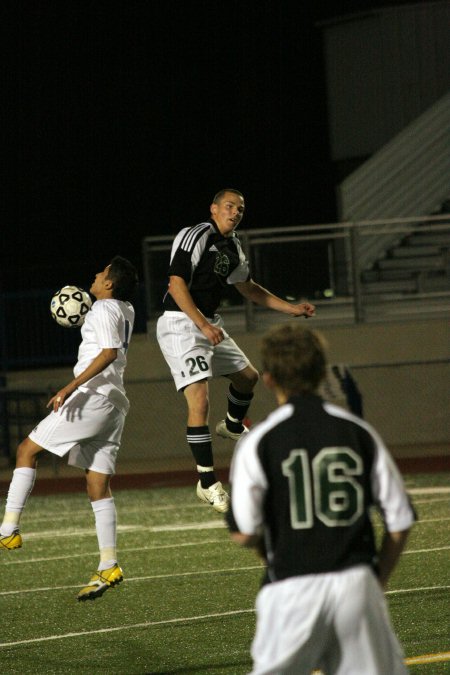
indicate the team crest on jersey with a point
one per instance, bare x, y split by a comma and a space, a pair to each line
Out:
222, 265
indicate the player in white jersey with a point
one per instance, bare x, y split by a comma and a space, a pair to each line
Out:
303, 485
205, 259
86, 420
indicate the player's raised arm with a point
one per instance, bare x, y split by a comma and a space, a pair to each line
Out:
261, 296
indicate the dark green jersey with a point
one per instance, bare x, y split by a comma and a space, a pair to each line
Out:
309, 475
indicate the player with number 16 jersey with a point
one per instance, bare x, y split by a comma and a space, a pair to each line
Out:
304, 484
320, 470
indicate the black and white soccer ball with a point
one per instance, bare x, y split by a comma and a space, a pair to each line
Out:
70, 305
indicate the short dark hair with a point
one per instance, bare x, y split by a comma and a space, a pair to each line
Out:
295, 357
219, 195
123, 275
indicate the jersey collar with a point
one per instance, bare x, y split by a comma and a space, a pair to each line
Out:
214, 224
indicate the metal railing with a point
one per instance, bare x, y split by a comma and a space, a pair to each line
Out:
322, 263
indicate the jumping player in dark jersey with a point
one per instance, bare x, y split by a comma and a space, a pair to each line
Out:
205, 259
303, 485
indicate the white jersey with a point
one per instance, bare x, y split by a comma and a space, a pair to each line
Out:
108, 325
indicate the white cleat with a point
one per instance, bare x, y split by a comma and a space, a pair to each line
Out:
222, 430
215, 496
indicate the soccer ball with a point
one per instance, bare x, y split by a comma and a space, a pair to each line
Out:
69, 306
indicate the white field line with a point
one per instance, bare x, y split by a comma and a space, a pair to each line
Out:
81, 513
204, 542
205, 525
430, 501
176, 507
33, 518
400, 591
50, 516
18, 561
425, 658
421, 521
427, 550
425, 521
131, 529
145, 624
227, 570
90, 532
429, 490
145, 578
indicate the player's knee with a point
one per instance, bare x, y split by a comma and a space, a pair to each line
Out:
97, 490
246, 380
26, 452
253, 377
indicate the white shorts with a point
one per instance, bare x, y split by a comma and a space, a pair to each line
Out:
337, 622
190, 356
88, 426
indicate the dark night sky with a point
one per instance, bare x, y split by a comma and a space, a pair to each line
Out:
122, 119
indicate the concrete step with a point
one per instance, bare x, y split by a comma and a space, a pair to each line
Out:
394, 286
425, 283
439, 282
418, 263
441, 239
412, 251
387, 275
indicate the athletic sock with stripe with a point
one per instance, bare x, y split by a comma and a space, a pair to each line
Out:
199, 440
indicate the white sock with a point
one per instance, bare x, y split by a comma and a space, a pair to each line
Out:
106, 527
19, 489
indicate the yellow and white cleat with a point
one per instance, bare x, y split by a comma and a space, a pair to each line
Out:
100, 582
10, 541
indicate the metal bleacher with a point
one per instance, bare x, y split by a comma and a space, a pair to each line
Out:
418, 263
409, 174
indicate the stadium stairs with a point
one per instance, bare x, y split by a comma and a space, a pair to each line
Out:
419, 263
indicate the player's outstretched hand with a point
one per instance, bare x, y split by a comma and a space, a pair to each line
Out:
305, 309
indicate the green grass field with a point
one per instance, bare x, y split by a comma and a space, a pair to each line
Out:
186, 604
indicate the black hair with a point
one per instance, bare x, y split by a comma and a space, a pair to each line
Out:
124, 276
